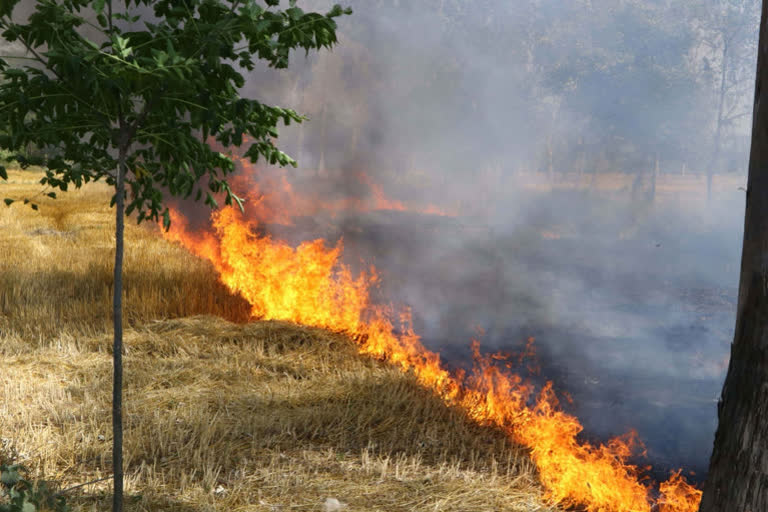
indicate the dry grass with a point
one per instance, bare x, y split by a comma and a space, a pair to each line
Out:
56, 268
219, 415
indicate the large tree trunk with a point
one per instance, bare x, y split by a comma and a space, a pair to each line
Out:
117, 347
738, 471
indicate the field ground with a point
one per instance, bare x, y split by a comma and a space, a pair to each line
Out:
220, 414
690, 186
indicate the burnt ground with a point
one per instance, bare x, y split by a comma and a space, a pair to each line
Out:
634, 324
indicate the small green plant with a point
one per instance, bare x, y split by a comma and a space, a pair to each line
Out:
17, 494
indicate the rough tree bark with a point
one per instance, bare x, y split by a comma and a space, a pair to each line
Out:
738, 471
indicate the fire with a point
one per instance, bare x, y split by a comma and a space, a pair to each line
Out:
269, 190
310, 285
381, 201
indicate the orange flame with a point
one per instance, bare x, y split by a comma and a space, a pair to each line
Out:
308, 284
270, 190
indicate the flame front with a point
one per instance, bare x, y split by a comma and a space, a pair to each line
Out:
268, 193
308, 284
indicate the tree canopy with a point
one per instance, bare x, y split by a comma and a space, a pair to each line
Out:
140, 96
160, 76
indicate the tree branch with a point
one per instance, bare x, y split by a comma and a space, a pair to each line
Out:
109, 18
82, 485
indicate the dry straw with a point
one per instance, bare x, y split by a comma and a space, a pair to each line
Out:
221, 415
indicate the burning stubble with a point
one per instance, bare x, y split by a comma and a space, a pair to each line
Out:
619, 266
310, 285
424, 158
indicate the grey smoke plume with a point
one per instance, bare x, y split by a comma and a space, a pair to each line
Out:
487, 110
469, 105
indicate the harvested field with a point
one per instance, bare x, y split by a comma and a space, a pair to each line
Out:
220, 414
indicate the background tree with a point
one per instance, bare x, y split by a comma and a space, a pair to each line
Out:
726, 49
623, 74
132, 97
588, 87
738, 471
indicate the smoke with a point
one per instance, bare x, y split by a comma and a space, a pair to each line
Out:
487, 111
444, 142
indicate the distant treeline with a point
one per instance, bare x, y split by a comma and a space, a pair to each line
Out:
584, 86
561, 87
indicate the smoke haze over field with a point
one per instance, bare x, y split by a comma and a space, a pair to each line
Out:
491, 112
537, 168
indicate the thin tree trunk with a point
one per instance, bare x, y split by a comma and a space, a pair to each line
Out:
550, 160
551, 143
321, 170
738, 471
321, 165
296, 95
117, 348
638, 183
300, 148
719, 126
353, 140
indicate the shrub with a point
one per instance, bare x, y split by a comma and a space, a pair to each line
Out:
17, 494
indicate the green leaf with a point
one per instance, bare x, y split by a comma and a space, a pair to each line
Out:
161, 79
294, 13
8, 202
14, 72
91, 43
6, 7
211, 201
167, 219
10, 476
